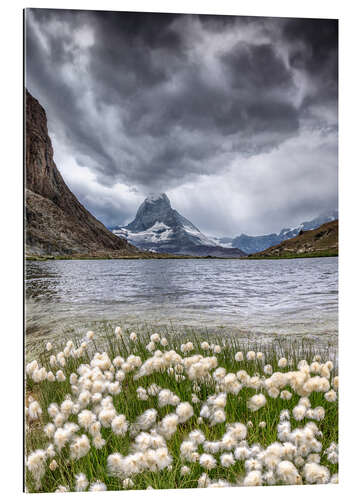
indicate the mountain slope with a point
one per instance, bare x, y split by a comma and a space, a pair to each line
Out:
320, 241
160, 228
56, 222
253, 244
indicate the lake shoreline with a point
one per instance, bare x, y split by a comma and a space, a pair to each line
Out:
178, 257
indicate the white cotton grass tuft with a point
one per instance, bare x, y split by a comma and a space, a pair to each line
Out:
133, 337
184, 412
79, 447
316, 474
97, 486
185, 470
128, 483
253, 478
282, 363
227, 459
207, 461
34, 410
35, 463
81, 482
256, 402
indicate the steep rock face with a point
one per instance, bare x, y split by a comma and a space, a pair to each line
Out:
160, 228
322, 240
56, 222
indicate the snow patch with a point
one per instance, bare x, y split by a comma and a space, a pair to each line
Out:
157, 233
203, 240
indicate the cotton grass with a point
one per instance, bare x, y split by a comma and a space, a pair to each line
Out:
148, 411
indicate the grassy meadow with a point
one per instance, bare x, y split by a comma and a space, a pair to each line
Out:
126, 410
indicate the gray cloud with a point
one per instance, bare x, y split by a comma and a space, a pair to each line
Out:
165, 102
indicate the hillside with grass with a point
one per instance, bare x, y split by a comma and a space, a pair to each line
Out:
320, 242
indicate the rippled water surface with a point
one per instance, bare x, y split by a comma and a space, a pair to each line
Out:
263, 296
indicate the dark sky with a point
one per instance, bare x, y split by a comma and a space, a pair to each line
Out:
235, 118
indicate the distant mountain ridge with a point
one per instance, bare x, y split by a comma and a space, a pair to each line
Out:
57, 224
321, 241
158, 227
254, 244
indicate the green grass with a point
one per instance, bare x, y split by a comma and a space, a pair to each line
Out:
94, 463
290, 255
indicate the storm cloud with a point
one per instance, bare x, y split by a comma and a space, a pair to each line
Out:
234, 117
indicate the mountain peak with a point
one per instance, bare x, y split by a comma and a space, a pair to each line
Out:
157, 198
160, 228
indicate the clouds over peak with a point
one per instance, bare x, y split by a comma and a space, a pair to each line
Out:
162, 101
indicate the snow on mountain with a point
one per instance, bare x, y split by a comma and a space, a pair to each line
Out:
160, 228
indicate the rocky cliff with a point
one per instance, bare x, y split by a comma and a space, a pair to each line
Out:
57, 224
322, 241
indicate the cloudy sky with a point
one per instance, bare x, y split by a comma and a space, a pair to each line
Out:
235, 118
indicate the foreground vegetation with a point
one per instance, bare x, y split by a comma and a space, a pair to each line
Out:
137, 411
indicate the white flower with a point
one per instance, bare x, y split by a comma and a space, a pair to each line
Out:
97, 486
285, 395
147, 419
36, 465
203, 481
288, 473
282, 363
60, 376
79, 447
253, 478
86, 418
207, 461
119, 425
268, 370
184, 411
330, 396
53, 465
98, 442
197, 436
118, 332
256, 402
81, 482
127, 483
185, 470
299, 412
62, 489
150, 347
316, 474
227, 459
34, 410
